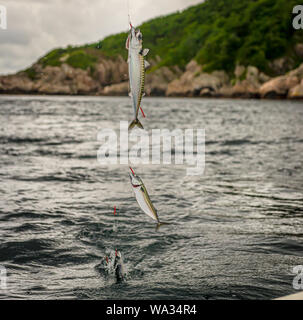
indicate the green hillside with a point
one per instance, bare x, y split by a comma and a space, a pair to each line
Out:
218, 34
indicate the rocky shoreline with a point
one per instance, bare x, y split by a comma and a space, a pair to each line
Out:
109, 78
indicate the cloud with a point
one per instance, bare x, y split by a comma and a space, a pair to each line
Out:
34, 27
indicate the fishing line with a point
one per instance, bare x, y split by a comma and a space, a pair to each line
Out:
115, 224
128, 13
142, 112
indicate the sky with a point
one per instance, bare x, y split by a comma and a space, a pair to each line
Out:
34, 27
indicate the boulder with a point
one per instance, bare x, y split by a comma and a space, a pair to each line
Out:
206, 92
245, 89
299, 50
193, 82
239, 71
68, 71
118, 89
111, 71
213, 81
84, 84
248, 81
226, 91
52, 88
281, 87
252, 76
156, 83
263, 77
193, 67
298, 72
278, 87
281, 65
296, 92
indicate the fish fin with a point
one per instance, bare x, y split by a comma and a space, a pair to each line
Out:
127, 43
135, 123
160, 224
146, 64
145, 52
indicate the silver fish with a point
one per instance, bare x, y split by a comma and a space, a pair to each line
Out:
142, 197
113, 263
119, 268
136, 70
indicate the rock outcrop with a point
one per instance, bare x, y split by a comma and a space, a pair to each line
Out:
65, 80
157, 81
299, 50
281, 65
296, 92
248, 82
283, 86
194, 82
110, 72
110, 77
278, 87
18, 83
118, 89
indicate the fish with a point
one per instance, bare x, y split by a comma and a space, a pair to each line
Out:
118, 266
113, 264
143, 198
136, 70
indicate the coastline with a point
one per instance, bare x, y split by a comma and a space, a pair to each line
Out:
35, 94
110, 79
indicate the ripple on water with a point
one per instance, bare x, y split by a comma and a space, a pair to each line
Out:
233, 233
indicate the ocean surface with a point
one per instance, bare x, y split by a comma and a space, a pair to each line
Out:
235, 232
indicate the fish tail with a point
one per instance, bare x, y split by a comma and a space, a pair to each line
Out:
134, 123
160, 224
